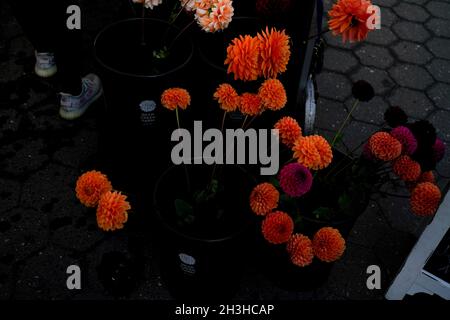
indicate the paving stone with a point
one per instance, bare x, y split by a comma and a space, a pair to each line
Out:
439, 26
385, 3
439, 9
440, 95
379, 79
9, 194
330, 114
412, 52
411, 31
336, 41
383, 36
9, 123
85, 145
411, 12
10, 71
357, 132
443, 167
399, 215
415, 103
23, 156
35, 281
49, 186
440, 70
411, 76
20, 47
441, 120
388, 17
371, 112
6, 282
339, 60
419, 2
73, 226
23, 232
333, 85
439, 47
374, 56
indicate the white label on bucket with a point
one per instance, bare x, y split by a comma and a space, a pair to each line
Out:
187, 263
147, 106
148, 117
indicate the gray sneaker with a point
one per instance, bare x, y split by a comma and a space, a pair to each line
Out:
45, 64
73, 107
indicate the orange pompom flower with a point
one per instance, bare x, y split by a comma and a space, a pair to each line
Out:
264, 198
175, 98
250, 104
112, 211
427, 176
277, 227
328, 244
406, 168
384, 146
289, 130
275, 52
425, 199
91, 186
349, 18
242, 58
273, 94
300, 250
227, 97
314, 152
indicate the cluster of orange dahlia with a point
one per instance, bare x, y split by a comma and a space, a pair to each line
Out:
314, 152
384, 147
349, 18
327, 245
174, 98
265, 55
272, 94
93, 189
277, 227
288, 130
264, 198
406, 168
425, 199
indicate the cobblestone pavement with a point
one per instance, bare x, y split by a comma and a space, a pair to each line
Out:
43, 227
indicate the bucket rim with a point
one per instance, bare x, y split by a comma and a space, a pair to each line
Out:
132, 75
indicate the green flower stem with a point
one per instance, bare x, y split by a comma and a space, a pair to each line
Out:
355, 104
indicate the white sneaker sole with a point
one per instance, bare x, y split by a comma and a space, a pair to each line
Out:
72, 115
45, 73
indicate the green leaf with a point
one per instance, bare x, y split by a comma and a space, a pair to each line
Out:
274, 181
183, 209
323, 213
345, 202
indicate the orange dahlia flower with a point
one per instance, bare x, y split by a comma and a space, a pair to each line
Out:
275, 52
112, 211
91, 186
273, 94
250, 104
300, 250
425, 199
406, 168
277, 227
314, 152
242, 58
264, 198
175, 98
384, 146
328, 244
349, 19
227, 97
289, 130
427, 176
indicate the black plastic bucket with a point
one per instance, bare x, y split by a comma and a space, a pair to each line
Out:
205, 260
136, 128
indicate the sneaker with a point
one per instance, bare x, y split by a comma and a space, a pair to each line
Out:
73, 107
45, 64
